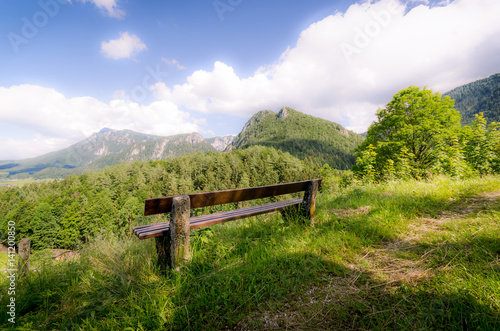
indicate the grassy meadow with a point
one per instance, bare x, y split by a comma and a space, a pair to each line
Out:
408, 255
3, 260
21, 182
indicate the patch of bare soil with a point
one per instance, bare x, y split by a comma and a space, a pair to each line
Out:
63, 254
387, 266
3, 248
461, 209
473, 204
343, 213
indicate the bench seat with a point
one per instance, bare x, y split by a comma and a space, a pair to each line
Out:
160, 229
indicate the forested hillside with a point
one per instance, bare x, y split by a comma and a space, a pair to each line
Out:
65, 214
301, 135
479, 96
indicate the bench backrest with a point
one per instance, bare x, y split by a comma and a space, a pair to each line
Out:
198, 200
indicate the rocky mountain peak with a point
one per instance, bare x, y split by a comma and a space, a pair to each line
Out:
220, 143
105, 130
283, 113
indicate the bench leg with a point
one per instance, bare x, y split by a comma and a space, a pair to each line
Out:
163, 251
309, 204
24, 257
180, 250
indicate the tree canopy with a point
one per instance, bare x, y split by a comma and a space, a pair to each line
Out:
408, 132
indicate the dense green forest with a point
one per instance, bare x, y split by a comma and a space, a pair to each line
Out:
479, 96
302, 136
67, 213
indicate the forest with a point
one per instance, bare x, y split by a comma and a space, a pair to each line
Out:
480, 96
67, 213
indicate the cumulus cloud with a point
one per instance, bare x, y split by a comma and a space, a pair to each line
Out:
56, 121
347, 65
124, 47
109, 7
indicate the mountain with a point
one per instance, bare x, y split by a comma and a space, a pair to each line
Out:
220, 143
301, 135
161, 148
109, 147
480, 96
291, 131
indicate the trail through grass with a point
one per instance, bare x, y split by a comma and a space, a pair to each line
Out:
401, 255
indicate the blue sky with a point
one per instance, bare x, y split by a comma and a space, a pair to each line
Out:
167, 67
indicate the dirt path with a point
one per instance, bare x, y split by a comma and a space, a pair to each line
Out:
388, 266
387, 262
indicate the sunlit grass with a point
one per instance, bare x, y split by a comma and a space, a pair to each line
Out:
3, 260
399, 255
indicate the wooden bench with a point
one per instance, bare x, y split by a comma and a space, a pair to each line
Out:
172, 238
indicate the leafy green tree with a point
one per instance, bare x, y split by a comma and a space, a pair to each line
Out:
130, 211
418, 120
482, 145
70, 226
44, 228
365, 163
451, 160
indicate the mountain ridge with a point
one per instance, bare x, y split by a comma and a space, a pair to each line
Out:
482, 95
301, 135
109, 147
288, 130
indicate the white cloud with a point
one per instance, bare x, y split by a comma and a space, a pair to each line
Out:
173, 62
56, 121
124, 47
347, 65
110, 7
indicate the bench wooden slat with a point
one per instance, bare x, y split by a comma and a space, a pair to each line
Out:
201, 221
160, 229
198, 200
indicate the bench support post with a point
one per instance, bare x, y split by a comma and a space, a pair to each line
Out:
163, 250
180, 250
24, 257
173, 248
309, 204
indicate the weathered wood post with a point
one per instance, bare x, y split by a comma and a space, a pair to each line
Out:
174, 249
24, 257
309, 204
163, 250
180, 248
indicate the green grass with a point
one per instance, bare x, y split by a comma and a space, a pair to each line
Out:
3, 260
21, 182
400, 255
